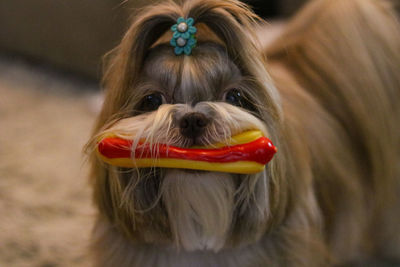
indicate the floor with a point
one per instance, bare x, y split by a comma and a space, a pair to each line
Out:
45, 120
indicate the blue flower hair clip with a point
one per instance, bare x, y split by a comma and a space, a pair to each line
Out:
183, 38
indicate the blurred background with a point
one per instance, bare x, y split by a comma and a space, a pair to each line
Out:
50, 66
74, 34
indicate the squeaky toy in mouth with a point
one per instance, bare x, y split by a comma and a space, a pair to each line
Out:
246, 153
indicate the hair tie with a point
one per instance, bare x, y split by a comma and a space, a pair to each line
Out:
183, 38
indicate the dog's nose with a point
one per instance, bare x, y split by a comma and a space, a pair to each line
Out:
193, 124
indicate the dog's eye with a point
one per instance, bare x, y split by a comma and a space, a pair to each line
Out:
238, 98
152, 102
234, 97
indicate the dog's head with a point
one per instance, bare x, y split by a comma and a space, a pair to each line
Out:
221, 89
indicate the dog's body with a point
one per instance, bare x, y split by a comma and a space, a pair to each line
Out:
329, 196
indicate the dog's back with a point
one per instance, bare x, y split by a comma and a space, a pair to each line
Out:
337, 67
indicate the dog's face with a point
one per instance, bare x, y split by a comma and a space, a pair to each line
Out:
183, 101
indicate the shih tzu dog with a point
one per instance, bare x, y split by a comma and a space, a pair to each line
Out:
192, 73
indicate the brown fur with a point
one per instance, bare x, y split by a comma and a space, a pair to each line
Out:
329, 196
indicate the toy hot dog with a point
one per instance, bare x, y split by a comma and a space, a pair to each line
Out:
246, 153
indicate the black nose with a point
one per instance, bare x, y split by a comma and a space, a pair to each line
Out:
192, 125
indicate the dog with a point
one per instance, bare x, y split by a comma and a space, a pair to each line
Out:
325, 92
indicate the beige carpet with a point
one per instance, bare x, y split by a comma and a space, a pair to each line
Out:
45, 206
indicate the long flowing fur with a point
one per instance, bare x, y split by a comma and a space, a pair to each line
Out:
343, 55
331, 194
